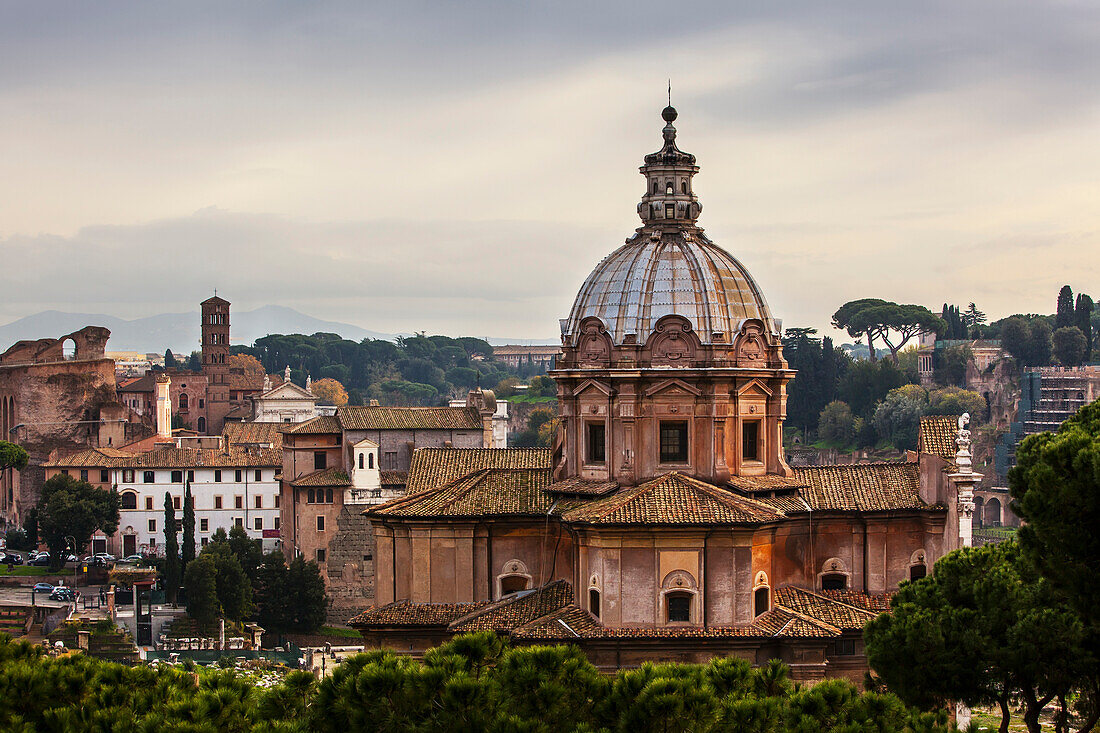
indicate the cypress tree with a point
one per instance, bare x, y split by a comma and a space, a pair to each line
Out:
171, 550
1083, 320
188, 527
1065, 315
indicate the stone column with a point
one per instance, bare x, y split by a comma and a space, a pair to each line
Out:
964, 479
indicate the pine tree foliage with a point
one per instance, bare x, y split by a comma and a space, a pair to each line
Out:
171, 550
188, 549
1064, 316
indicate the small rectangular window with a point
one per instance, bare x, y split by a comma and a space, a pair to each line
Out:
750, 440
148, 503
148, 477
259, 474
239, 521
276, 501
83, 474
153, 541
217, 502
64, 472
204, 525
674, 442
320, 523
320, 554
596, 442
258, 523
259, 501
204, 541
217, 476
104, 477
177, 477
679, 607
175, 502
238, 502
238, 477
320, 460
276, 522
127, 475
190, 477
152, 525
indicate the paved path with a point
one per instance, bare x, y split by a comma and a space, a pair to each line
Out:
22, 597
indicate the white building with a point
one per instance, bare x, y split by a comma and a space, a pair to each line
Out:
286, 403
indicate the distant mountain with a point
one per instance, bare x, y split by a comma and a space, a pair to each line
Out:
180, 331
177, 331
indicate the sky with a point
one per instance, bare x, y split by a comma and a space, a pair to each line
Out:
459, 168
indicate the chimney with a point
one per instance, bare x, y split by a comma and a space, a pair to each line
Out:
164, 406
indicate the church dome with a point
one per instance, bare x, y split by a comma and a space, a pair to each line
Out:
669, 267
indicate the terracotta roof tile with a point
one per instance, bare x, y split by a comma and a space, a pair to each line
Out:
324, 477
673, 499
88, 458
394, 478
490, 491
831, 611
568, 622
173, 458
409, 418
432, 467
937, 435
324, 424
236, 433
862, 487
516, 609
765, 483
581, 487
876, 604
407, 614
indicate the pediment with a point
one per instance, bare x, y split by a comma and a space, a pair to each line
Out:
591, 385
754, 388
671, 388
365, 443
287, 391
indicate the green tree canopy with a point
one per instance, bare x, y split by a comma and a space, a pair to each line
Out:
879, 319
956, 401
897, 418
837, 424
200, 580
70, 507
1028, 340
248, 551
234, 589
188, 548
12, 456
986, 629
1082, 318
1064, 315
1069, 345
171, 568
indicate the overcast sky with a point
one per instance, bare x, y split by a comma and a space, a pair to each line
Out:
460, 167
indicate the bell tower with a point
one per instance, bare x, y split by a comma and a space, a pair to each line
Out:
215, 361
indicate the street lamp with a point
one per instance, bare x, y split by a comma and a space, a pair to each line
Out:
76, 566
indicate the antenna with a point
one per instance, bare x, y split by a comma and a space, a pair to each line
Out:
670, 92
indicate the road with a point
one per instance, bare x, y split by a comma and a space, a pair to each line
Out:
22, 597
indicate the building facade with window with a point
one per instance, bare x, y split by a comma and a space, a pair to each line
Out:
236, 484
666, 524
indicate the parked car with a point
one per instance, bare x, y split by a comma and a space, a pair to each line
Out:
33, 554
63, 593
42, 560
10, 558
133, 558
71, 558
43, 588
105, 556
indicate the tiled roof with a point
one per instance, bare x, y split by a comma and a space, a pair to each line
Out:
831, 611
581, 487
146, 383
784, 622
371, 417
239, 412
569, 622
88, 458
516, 609
862, 487
324, 477
673, 499
394, 478
432, 467
937, 435
490, 491
876, 604
203, 458
324, 424
408, 614
255, 432
765, 483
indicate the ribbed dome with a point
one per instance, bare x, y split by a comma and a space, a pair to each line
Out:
680, 273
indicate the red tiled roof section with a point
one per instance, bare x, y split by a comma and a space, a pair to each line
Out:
937, 435
88, 458
432, 467
394, 478
833, 612
862, 487
324, 477
407, 614
516, 609
322, 425
236, 433
487, 492
673, 499
582, 487
765, 483
569, 622
203, 458
876, 604
409, 418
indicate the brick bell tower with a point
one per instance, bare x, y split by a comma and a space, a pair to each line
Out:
215, 361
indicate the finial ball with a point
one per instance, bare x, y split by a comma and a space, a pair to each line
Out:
669, 113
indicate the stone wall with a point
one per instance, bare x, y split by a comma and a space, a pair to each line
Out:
350, 565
